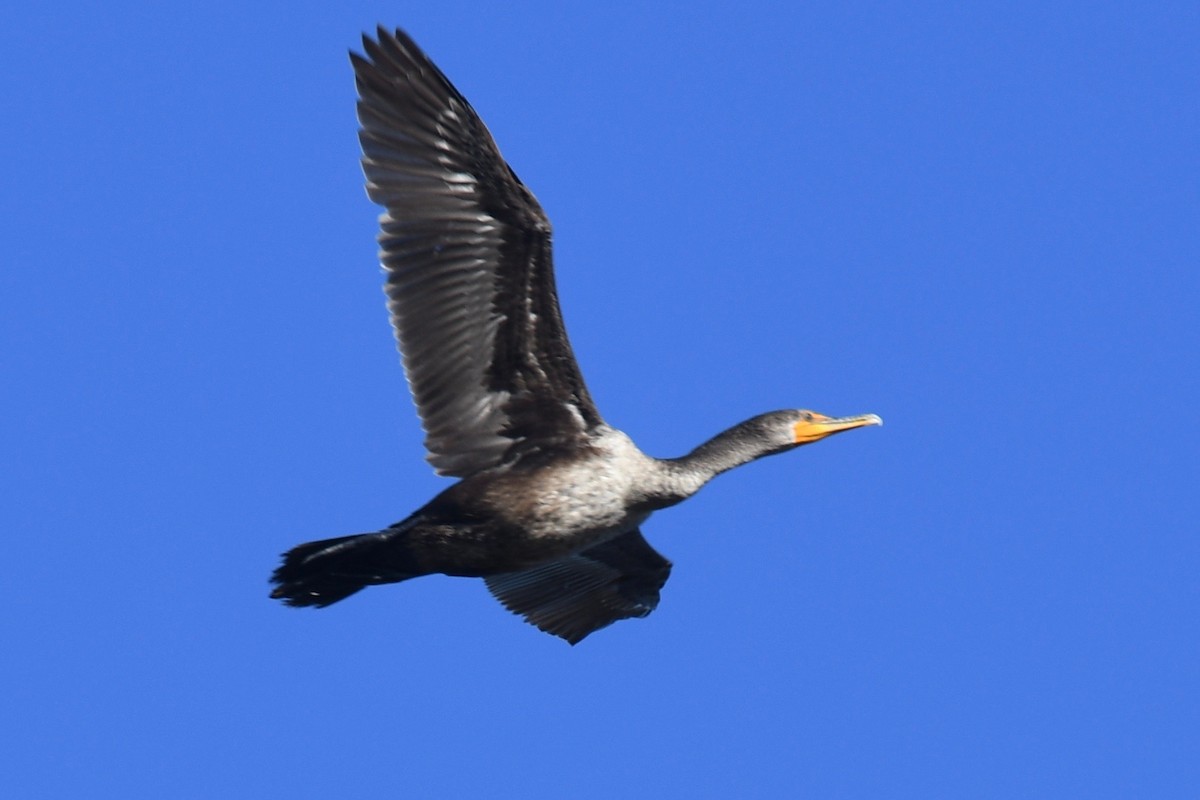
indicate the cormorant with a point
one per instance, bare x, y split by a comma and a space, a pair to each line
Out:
550, 498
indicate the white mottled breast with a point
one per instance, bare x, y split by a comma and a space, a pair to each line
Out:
588, 499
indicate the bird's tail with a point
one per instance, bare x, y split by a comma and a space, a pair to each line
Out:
324, 572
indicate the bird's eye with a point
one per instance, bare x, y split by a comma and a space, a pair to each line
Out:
808, 417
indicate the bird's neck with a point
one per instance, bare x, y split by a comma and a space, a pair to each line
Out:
684, 476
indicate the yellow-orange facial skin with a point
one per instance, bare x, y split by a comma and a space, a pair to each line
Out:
813, 427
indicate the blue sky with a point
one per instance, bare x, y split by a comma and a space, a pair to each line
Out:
979, 222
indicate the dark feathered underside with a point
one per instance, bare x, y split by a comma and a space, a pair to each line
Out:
470, 282
580, 594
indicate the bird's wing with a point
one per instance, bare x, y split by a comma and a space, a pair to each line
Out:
470, 280
582, 593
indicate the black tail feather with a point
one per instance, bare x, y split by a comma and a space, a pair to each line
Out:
322, 573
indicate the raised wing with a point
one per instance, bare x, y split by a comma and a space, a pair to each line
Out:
470, 280
580, 594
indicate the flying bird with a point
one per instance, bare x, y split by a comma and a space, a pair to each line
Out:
550, 499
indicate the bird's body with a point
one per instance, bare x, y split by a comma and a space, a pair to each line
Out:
534, 512
550, 498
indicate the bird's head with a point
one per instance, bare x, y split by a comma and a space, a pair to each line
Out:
780, 431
